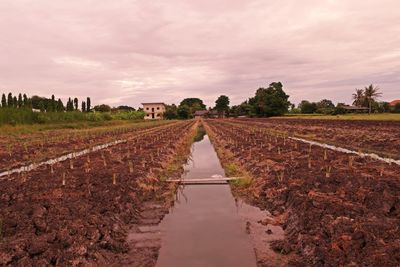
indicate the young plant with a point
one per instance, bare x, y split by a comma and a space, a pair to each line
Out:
114, 179
328, 171
71, 164
130, 164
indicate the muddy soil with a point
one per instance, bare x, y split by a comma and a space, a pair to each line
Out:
336, 209
30, 148
380, 137
79, 213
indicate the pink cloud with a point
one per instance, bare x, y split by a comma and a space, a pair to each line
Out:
127, 52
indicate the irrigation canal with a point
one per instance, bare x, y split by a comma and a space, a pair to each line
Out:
204, 228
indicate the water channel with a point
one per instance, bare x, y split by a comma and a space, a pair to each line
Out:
204, 227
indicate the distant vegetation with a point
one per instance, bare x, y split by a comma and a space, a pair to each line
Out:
362, 98
23, 110
267, 102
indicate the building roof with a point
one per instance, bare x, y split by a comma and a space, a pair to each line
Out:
154, 103
394, 102
200, 112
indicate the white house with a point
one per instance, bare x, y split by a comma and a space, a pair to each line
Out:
154, 111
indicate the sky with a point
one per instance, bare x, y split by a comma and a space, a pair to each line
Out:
125, 52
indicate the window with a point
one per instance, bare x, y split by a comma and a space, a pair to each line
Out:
158, 108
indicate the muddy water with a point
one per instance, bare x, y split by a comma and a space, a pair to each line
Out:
204, 228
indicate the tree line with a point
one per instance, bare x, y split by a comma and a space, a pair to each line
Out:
267, 101
44, 104
363, 98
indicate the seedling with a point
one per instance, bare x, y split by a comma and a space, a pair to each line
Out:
87, 167
114, 179
309, 161
325, 155
71, 164
63, 179
351, 160
328, 171
130, 166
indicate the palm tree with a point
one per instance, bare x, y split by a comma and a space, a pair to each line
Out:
359, 98
371, 94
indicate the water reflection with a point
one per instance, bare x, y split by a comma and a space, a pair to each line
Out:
205, 228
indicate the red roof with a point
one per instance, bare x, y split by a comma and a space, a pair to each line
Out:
394, 102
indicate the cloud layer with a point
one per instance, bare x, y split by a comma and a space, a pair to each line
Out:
128, 52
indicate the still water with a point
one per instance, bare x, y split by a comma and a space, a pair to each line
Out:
204, 228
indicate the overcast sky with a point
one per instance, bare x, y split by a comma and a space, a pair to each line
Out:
128, 52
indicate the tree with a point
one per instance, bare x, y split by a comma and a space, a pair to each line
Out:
102, 108
60, 106
325, 106
19, 101
307, 107
193, 104
15, 102
270, 101
76, 103
171, 112
10, 102
88, 104
222, 104
52, 106
396, 108
125, 108
41, 106
83, 106
70, 105
183, 112
25, 101
383, 107
371, 93
359, 98
3, 101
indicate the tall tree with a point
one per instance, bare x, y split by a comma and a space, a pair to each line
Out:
359, 98
222, 104
10, 102
88, 107
25, 102
60, 106
53, 103
270, 101
70, 105
83, 106
19, 103
3, 101
76, 103
371, 93
15, 102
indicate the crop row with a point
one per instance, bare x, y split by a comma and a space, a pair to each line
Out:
380, 137
19, 150
78, 212
336, 209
